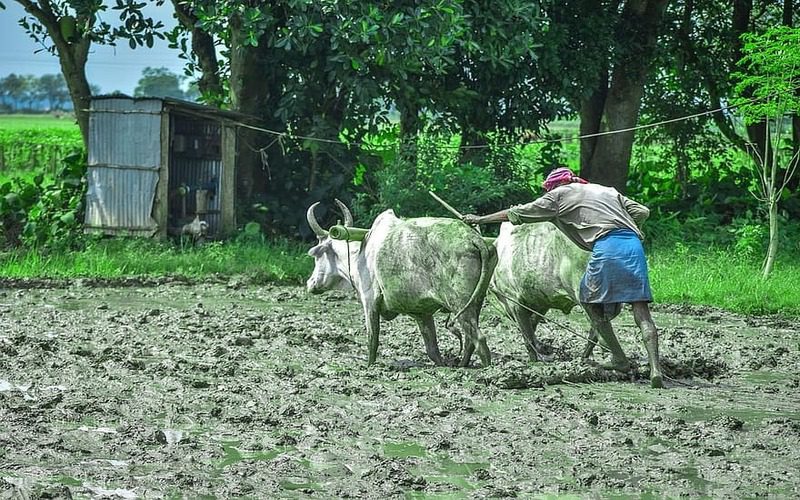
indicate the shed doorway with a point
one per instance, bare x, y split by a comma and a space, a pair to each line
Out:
195, 172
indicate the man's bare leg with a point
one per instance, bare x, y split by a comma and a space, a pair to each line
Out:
641, 314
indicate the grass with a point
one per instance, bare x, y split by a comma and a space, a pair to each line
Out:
30, 121
717, 278
720, 278
278, 262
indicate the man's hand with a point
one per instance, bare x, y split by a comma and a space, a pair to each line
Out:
472, 219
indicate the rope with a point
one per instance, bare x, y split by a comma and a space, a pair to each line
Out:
283, 135
548, 320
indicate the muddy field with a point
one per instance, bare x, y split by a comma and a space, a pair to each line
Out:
219, 390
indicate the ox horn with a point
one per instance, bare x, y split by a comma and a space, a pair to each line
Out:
312, 222
348, 217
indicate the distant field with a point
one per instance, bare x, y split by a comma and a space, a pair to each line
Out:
36, 143
17, 122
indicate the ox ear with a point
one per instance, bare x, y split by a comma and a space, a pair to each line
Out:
348, 217
312, 222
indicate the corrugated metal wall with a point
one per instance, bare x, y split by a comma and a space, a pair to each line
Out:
124, 160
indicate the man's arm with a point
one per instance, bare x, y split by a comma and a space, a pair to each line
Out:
638, 212
472, 220
542, 209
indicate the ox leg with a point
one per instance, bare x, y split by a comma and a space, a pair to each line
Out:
602, 326
641, 314
373, 318
473, 338
587, 352
428, 329
469, 348
527, 322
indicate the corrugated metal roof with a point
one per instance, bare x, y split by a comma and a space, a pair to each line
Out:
186, 106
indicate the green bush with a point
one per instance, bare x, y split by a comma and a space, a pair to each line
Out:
480, 183
39, 213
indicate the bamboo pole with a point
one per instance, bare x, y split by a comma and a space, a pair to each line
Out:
340, 232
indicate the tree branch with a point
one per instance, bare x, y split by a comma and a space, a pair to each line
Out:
203, 48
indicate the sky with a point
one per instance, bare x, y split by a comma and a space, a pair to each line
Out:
110, 68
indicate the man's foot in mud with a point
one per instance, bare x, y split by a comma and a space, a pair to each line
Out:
620, 365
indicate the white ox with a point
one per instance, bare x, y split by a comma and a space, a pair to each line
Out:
415, 267
539, 269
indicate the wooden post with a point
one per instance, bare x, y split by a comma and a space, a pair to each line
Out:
227, 203
161, 200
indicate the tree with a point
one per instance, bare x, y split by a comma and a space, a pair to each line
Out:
159, 82
614, 44
15, 88
695, 65
767, 93
53, 89
335, 69
68, 28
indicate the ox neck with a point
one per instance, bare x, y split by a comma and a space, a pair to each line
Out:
351, 266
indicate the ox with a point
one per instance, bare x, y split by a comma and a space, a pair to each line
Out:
540, 269
415, 267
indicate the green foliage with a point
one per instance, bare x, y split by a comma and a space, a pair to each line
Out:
502, 178
83, 21
20, 90
768, 85
39, 213
703, 177
159, 82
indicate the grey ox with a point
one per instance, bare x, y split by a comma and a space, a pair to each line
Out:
540, 269
409, 266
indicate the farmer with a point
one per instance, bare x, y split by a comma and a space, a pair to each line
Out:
603, 221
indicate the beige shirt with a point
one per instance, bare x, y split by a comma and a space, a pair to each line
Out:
583, 212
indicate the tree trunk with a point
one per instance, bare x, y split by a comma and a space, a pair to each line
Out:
73, 66
591, 115
250, 94
608, 160
205, 51
772, 249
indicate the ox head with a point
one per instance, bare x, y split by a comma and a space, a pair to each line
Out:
331, 266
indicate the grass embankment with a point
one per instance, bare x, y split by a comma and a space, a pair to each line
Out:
278, 262
715, 278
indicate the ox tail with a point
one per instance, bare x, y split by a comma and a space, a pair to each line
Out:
488, 255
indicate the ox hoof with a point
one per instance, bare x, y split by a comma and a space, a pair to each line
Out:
656, 382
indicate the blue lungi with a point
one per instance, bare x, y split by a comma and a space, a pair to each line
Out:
617, 271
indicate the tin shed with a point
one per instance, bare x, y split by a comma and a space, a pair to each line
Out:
157, 164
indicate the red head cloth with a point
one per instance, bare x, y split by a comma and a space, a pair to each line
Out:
560, 176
